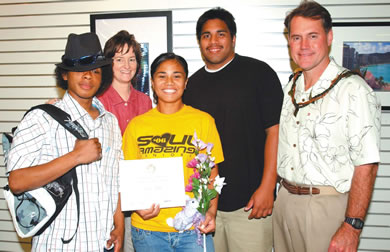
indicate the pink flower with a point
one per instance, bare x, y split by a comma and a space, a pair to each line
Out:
192, 163
189, 188
196, 175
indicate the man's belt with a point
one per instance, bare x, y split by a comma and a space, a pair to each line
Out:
307, 190
300, 190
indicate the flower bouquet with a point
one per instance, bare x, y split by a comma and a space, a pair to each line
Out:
199, 184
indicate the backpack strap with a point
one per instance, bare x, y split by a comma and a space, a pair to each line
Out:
78, 131
64, 119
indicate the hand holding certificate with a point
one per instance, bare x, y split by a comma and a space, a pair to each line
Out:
145, 182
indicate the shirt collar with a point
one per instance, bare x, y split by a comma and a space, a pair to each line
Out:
219, 69
330, 72
76, 111
114, 96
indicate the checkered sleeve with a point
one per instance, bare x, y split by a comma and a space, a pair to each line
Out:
30, 137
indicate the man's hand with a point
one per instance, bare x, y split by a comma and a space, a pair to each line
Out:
87, 151
346, 239
261, 202
116, 235
116, 238
147, 214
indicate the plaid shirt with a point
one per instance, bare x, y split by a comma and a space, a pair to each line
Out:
40, 139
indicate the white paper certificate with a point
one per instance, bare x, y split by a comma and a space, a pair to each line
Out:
147, 181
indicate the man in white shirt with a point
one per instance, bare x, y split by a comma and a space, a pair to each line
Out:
328, 149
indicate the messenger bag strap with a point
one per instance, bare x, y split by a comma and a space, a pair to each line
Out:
77, 194
78, 131
64, 119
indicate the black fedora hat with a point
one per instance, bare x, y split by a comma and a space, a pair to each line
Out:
83, 53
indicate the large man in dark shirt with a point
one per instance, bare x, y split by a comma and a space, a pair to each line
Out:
244, 96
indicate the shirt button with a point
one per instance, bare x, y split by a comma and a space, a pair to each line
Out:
308, 114
125, 103
292, 168
294, 145
127, 120
297, 122
303, 99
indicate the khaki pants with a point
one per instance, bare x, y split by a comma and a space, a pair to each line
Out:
235, 233
306, 222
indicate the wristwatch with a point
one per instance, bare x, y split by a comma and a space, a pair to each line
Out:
356, 223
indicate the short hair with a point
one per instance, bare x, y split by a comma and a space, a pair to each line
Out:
104, 84
117, 43
313, 10
161, 59
216, 13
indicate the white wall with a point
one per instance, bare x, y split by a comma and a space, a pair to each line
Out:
33, 35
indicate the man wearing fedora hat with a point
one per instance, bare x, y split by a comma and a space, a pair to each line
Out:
43, 151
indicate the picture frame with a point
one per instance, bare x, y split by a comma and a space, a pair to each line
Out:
153, 30
354, 45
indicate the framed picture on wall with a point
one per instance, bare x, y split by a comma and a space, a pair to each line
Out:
153, 30
365, 47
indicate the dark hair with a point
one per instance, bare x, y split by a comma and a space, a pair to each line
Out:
104, 84
313, 10
216, 13
161, 59
116, 44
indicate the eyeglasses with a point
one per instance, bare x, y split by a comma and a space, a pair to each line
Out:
83, 61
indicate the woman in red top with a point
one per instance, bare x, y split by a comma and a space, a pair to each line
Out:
121, 98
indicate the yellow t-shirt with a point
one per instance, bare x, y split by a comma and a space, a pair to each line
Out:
157, 135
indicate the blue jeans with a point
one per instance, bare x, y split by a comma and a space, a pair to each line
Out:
152, 241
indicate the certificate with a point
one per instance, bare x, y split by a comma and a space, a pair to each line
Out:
144, 182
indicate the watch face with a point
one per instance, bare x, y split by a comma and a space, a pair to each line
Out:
355, 222
358, 224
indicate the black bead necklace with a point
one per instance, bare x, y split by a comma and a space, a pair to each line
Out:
344, 74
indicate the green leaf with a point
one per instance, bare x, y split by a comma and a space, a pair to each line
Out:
205, 197
195, 188
202, 211
196, 194
208, 172
195, 183
206, 206
212, 193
